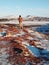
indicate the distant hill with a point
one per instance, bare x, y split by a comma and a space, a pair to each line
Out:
27, 18
37, 18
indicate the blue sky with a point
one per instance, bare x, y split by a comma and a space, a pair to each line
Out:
24, 7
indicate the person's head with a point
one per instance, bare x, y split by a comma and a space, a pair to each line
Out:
19, 15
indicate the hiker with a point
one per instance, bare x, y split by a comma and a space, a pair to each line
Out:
20, 19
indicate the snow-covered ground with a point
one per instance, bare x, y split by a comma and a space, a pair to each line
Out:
26, 22
4, 56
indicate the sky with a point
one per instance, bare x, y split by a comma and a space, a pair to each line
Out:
24, 7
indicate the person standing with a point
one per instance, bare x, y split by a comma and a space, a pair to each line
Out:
20, 19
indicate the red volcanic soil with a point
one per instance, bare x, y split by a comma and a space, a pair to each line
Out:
13, 29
